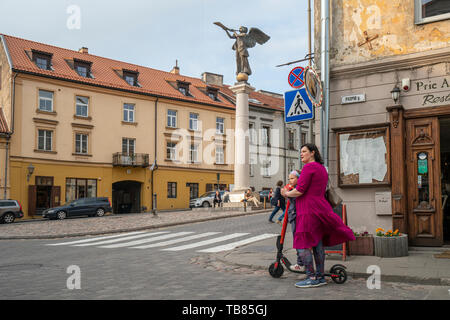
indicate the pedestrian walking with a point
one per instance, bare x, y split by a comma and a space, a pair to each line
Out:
278, 202
317, 226
217, 199
293, 179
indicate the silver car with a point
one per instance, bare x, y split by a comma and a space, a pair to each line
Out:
10, 210
206, 200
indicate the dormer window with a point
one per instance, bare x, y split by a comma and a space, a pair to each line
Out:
183, 87
212, 93
83, 68
42, 60
130, 77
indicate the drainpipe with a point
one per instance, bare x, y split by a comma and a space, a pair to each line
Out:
325, 76
6, 165
154, 164
13, 102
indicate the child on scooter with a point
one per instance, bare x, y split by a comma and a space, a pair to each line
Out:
293, 177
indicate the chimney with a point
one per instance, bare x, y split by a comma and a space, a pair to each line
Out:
175, 69
84, 50
212, 78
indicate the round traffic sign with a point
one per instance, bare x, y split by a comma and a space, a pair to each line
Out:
295, 77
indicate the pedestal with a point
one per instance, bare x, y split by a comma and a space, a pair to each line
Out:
241, 150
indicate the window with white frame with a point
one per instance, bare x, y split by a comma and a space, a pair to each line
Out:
193, 121
431, 10
266, 169
81, 143
251, 169
171, 150
265, 136
128, 146
193, 153
220, 157
220, 125
45, 100
171, 118
128, 112
252, 133
45, 139
82, 106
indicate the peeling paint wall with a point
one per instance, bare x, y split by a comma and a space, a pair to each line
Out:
391, 20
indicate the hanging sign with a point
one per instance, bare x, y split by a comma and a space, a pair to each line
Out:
295, 77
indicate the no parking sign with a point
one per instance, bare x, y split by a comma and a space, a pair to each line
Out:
295, 78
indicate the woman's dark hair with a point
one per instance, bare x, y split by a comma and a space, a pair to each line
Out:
312, 147
279, 183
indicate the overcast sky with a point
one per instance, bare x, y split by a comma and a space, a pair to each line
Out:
156, 33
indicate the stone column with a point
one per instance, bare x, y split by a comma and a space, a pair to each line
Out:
241, 149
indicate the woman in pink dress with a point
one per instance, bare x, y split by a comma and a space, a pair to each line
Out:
317, 224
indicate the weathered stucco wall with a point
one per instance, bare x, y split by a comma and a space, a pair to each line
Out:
391, 20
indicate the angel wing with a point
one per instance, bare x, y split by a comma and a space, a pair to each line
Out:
255, 36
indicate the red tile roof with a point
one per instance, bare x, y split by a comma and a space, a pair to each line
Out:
104, 72
3, 123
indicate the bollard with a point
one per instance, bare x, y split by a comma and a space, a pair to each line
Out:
154, 204
264, 202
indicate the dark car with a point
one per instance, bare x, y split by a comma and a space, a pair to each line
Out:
10, 210
264, 194
80, 207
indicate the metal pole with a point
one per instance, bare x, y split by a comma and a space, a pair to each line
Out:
310, 122
325, 78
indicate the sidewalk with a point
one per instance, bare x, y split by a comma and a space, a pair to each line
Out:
421, 266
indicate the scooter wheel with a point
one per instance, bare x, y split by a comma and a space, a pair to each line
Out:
338, 275
276, 272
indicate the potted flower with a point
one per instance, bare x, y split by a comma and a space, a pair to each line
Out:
390, 243
363, 245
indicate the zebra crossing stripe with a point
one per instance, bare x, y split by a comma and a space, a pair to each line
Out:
231, 246
93, 239
169, 242
206, 242
120, 239
133, 243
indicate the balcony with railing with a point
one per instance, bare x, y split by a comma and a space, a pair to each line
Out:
130, 160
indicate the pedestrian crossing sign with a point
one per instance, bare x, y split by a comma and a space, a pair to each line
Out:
297, 106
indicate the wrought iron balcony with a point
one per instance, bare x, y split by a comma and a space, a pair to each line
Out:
130, 160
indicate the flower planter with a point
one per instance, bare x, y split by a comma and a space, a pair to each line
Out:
362, 246
391, 246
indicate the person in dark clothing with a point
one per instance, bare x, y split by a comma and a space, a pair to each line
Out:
279, 203
217, 199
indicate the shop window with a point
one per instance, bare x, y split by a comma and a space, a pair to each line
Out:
77, 188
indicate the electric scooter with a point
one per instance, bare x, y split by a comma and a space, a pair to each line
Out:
337, 272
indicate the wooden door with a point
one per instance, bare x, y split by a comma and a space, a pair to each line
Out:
31, 200
424, 185
56, 196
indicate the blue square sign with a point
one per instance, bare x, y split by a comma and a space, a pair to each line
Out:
297, 106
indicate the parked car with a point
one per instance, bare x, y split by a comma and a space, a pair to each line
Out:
10, 210
206, 200
264, 194
80, 207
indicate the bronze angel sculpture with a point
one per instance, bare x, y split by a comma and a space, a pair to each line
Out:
244, 41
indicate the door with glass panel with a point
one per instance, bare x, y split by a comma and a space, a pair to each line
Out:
424, 185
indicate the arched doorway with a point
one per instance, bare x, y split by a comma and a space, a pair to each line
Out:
126, 197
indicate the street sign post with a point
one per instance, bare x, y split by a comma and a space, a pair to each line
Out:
297, 106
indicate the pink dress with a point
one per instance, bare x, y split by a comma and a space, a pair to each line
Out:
315, 218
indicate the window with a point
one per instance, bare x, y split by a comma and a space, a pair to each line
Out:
45, 138
171, 190
212, 93
220, 158
193, 154
130, 78
82, 68
193, 121
128, 146
291, 166
252, 133
42, 60
171, 118
266, 169
193, 190
431, 10
183, 87
303, 137
171, 151
128, 112
45, 100
82, 104
291, 139
81, 143
251, 169
80, 188
220, 125
265, 136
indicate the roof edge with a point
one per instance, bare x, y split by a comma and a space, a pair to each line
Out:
5, 46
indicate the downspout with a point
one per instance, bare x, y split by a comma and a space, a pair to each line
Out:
324, 75
13, 102
155, 151
6, 166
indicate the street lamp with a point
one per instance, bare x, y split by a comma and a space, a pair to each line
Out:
395, 93
30, 171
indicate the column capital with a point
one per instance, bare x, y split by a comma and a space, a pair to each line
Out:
242, 87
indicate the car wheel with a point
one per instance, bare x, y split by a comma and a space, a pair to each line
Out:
8, 218
206, 204
61, 215
100, 212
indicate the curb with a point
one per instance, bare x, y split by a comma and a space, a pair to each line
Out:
170, 224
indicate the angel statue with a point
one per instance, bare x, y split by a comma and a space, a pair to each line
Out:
244, 40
